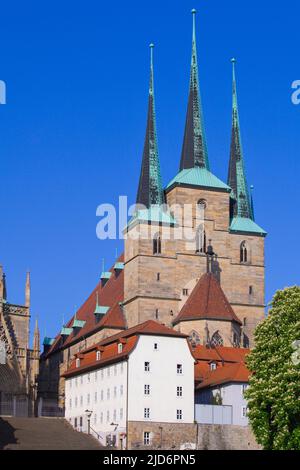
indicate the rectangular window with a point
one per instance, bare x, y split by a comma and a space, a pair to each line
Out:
147, 389
121, 390
147, 367
179, 391
121, 413
81, 400
244, 411
185, 292
95, 419
101, 418
95, 397
70, 403
115, 392
213, 366
108, 372
179, 414
76, 382
107, 417
88, 399
120, 348
158, 276
250, 290
102, 373
76, 402
146, 413
75, 422
122, 367
80, 421
81, 380
244, 388
89, 377
155, 346
179, 368
146, 438
115, 370
108, 394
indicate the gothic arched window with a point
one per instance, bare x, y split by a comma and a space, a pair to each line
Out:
194, 337
244, 255
200, 240
157, 244
216, 340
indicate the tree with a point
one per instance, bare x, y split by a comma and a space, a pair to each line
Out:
274, 392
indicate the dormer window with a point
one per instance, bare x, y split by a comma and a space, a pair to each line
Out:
77, 362
120, 348
213, 366
98, 356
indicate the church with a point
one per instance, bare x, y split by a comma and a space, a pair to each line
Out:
208, 287
19, 364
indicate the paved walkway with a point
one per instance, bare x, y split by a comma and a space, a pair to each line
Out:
43, 434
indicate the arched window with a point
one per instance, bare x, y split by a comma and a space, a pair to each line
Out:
157, 244
244, 255
200, 240
201, 206
194, 337
216, 340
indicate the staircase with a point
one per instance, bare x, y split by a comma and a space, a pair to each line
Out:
43, 434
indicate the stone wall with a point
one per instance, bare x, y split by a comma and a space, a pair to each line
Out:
226, 437
163, 435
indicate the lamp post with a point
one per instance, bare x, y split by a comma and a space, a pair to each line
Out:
88, 414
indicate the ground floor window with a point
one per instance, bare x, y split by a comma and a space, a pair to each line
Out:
179, 414
146, 438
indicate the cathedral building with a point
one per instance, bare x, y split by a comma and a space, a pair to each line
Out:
19, 364
208, 286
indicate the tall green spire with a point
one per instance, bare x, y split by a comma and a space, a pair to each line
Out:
241, 204
150, 190
194, 150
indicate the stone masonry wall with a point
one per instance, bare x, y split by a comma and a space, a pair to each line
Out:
163, 435
229, 437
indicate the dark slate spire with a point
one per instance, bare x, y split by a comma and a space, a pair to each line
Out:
241, 204
150, 190
194, 150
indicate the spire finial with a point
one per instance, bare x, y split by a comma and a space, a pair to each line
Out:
240, 199
27, 289
150, 190
194, 151
194, 11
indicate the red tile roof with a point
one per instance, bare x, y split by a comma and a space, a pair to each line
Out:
222, 356
225, 374
207, 302
109, 346
219, 353
109, 355
149, 327
109, 295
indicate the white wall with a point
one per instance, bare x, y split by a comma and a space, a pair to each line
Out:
110, 378
163, 380
232, 395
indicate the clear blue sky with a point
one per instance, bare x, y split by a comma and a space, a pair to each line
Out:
71, 134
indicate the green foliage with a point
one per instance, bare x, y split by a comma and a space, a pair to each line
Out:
274, 392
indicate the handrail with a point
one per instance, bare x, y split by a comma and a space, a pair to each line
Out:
97, 434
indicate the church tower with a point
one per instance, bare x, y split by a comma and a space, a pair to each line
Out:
167, 248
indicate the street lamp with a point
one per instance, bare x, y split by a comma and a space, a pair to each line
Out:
88, 414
